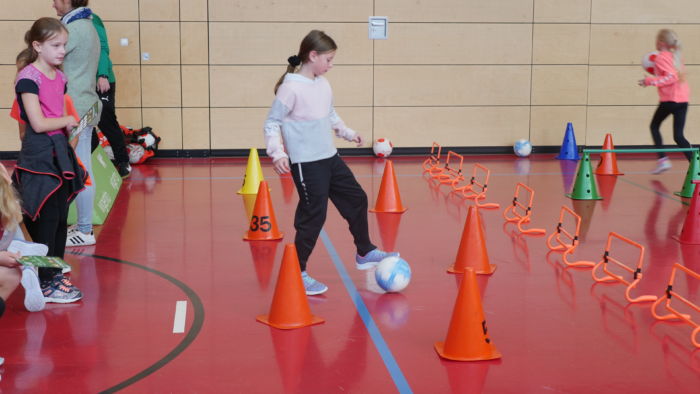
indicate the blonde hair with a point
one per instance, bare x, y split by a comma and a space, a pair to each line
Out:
317, 41
42, 29
670, 38
10, 211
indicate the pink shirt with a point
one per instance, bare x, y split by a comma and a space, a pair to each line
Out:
666, 79
50, 91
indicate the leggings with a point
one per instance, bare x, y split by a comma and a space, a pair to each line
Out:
679, 110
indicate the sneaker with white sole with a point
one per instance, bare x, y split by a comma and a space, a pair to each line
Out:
79, 238
663, 164
26, 248
33, 297
60, 290
312, 286
372, 258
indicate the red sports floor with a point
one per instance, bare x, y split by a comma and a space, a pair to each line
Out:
175, 234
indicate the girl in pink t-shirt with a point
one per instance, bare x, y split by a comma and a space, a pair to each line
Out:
47, 175
674, 93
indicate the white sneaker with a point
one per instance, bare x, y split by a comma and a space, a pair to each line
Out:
26, 248
663, 164
78, 238
33, 297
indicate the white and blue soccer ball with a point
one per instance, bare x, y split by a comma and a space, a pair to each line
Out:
393, 274
522, 148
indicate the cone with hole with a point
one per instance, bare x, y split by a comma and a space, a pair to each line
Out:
290, 306
584, 186
389, 198
608, 160
263, 224
253, 174
467, 337
690, 176
690, 234
569, 150
472, 248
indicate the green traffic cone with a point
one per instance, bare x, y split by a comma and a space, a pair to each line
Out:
584, 187
692, 174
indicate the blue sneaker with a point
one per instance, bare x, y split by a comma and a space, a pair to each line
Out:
312, 286
372, 258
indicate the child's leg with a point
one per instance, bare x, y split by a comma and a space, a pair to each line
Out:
312, 182
679, 112
662, 111
347, 195
9, 280
86, 198
44, 231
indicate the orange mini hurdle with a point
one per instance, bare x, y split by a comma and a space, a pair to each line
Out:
568, 246
478, 184
432, 163
517, 212
612, 277
675, 314
449, 174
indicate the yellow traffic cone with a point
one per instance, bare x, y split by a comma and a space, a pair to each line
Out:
253, 174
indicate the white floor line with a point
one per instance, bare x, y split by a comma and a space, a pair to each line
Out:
180, 315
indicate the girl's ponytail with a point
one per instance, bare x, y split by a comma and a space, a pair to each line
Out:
294, 61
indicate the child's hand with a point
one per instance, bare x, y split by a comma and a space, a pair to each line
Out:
358, 140
281, 165
70, 123
641, 83
9, 259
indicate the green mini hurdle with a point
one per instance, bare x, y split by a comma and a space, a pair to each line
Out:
585, 185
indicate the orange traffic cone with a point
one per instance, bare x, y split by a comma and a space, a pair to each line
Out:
690, 234
472, 249
389, 199
467, 337
608, 161
290, 307
263, 225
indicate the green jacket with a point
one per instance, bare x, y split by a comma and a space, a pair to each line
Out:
104, 67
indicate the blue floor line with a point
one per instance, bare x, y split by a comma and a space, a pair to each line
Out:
391, 365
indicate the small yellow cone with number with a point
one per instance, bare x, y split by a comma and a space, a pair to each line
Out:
263, 224
253, 174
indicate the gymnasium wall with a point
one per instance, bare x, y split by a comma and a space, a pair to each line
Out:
459, 72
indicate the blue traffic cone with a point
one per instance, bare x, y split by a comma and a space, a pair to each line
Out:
569, 151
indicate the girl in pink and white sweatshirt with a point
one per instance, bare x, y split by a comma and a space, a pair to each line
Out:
301, 119
674, 94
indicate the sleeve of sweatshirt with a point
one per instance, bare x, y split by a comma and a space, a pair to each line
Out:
341, 130
281, 107
104, 64
667, 73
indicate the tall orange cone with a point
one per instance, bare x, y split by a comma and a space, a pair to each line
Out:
389, 198
608, 161
290, 306
467, 337
472, 249
253, 174
263, 224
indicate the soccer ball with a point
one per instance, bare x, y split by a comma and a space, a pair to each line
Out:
393, 274
649, 61
522, 148
136, 153
382, 147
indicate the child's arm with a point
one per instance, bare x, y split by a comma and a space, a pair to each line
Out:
42, 124
668, 74
273, 136
341, 130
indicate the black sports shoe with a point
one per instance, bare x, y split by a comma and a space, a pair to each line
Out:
124, 169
